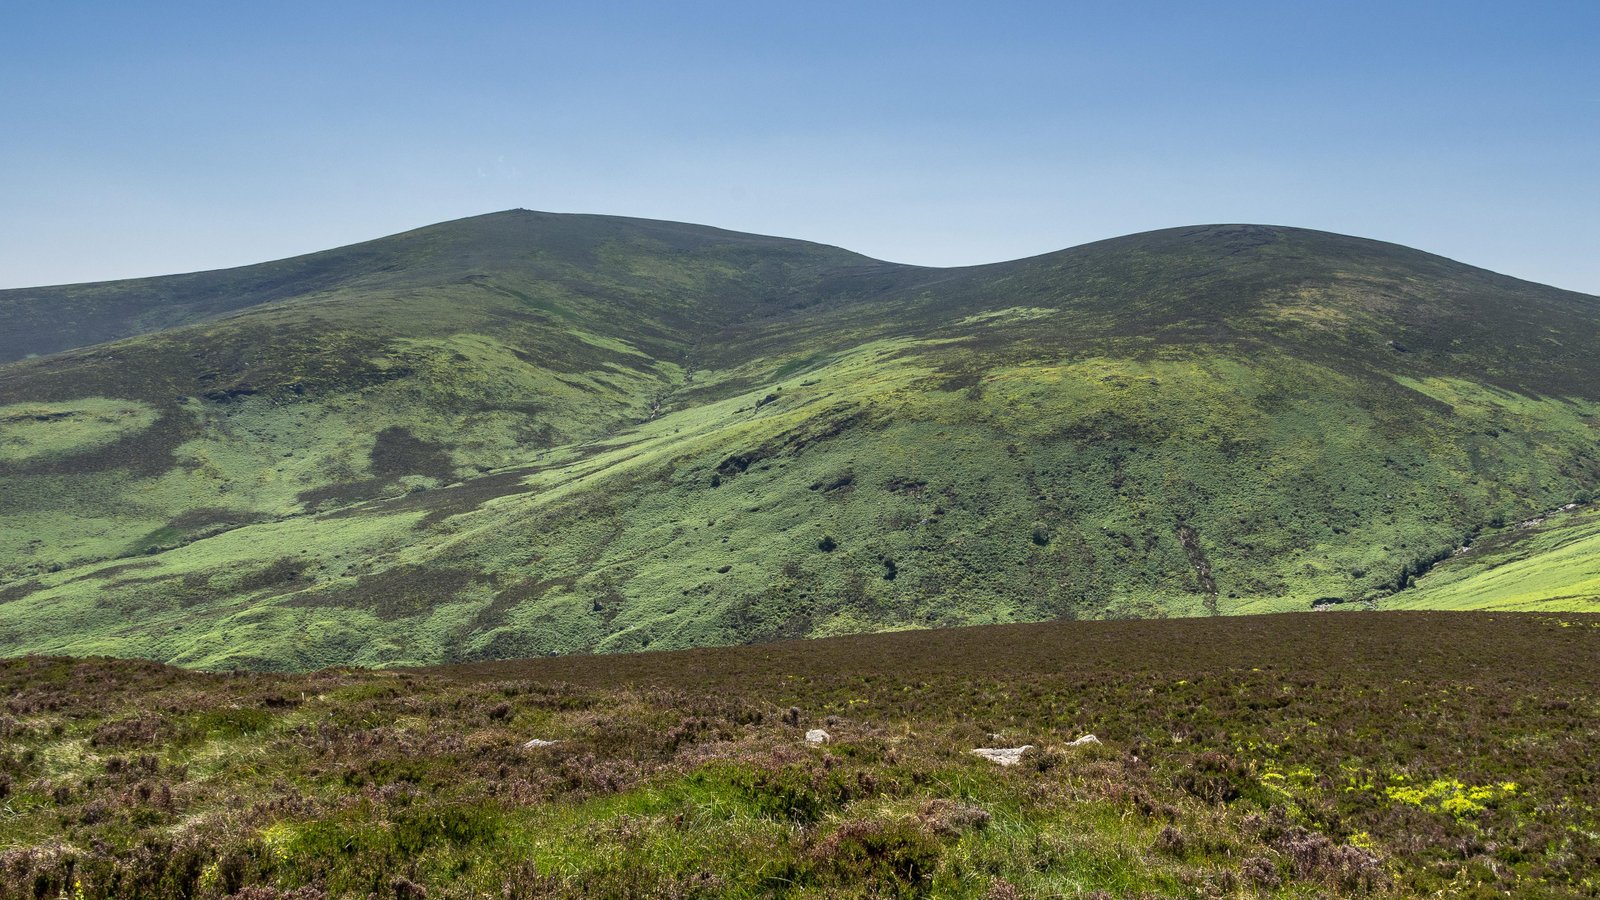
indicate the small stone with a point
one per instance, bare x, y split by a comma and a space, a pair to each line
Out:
1005, 756
818, 736
1086, 739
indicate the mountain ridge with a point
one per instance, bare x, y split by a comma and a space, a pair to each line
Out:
307, 274
262, 282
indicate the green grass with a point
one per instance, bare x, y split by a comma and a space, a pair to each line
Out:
522, 434
1392, 754
1552, 562
42, 430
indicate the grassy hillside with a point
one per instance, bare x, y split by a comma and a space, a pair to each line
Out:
1391, 754
525, 433
1534, 564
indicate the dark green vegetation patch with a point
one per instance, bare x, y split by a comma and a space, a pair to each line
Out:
526, 434
1392, 754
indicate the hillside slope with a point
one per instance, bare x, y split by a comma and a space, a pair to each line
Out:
526, 433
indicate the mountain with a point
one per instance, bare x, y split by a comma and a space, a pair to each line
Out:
526, 433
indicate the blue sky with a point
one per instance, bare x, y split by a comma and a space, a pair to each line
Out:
148, 138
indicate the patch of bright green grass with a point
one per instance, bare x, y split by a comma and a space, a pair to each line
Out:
1552, 565
30, 431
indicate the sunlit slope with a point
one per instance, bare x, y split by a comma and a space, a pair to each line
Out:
1546, 563
575, 433
509, 335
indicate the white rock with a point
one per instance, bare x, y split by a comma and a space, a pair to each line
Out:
1086, 739
1005, 756
536, 743
818, 736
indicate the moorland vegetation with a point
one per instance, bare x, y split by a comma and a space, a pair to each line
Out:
1295, 755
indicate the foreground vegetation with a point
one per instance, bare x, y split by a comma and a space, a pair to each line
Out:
1291, 755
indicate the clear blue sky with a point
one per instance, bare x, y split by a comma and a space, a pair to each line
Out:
147, 138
